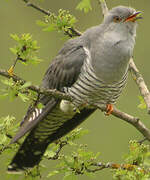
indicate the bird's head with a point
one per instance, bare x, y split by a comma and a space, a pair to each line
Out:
122, 19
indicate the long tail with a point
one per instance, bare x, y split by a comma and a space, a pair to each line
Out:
35, 144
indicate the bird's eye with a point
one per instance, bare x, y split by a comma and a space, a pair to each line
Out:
116, 19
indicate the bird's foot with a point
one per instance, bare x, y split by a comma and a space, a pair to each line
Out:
109, 109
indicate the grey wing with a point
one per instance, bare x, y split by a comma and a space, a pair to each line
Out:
62, 72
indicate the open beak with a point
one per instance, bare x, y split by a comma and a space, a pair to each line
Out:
135, 16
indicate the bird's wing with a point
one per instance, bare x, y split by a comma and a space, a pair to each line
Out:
62, 72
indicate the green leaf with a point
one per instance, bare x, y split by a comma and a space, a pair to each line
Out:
53, 173
6, 123
8, 82
41, 23
49, 154
40, 105
61, 22
24, 97
13, 50
84, 5
15, 37
69, 176
50, 28
26, 49
3, 138
142, 104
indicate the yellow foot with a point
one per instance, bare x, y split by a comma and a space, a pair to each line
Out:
10, 71
109, 109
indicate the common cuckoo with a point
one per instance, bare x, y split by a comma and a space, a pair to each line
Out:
93, 70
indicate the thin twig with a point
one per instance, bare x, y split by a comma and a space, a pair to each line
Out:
111, 165
140, 83
94, 167
29, 4
61, 145
103, 7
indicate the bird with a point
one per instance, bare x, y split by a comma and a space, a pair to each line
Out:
91, 68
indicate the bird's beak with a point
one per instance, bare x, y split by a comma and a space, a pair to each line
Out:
135, 16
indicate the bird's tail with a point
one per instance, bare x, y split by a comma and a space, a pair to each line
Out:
28, 155
35, 144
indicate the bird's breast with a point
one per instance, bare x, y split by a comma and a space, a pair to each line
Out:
110, 59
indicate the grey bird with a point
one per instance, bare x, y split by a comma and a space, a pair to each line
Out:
93, 70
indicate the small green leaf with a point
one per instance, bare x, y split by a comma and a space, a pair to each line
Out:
40, 105
41, 23
84, 5
25, 49
24, 97
142, 104
61, 22
8, 82
53, 173
13, 50
70, 176
50, 28
15, 37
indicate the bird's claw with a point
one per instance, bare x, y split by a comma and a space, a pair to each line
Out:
109, 109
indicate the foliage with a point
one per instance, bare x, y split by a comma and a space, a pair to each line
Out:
16, 89
26, 53
64, 21
7, 129
84, 5
26, 49
138, 162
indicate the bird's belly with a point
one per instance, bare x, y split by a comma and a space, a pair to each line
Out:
90, 90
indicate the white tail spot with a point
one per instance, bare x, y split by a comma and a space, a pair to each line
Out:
35, 114
40, 111
30, 119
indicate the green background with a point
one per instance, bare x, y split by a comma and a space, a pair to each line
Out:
108, 135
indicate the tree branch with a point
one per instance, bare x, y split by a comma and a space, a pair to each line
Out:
101, 166
140, 83
57, 153
103, 7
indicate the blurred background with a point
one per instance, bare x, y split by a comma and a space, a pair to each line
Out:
108, 135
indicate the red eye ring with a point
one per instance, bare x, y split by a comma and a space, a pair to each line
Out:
116, 19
